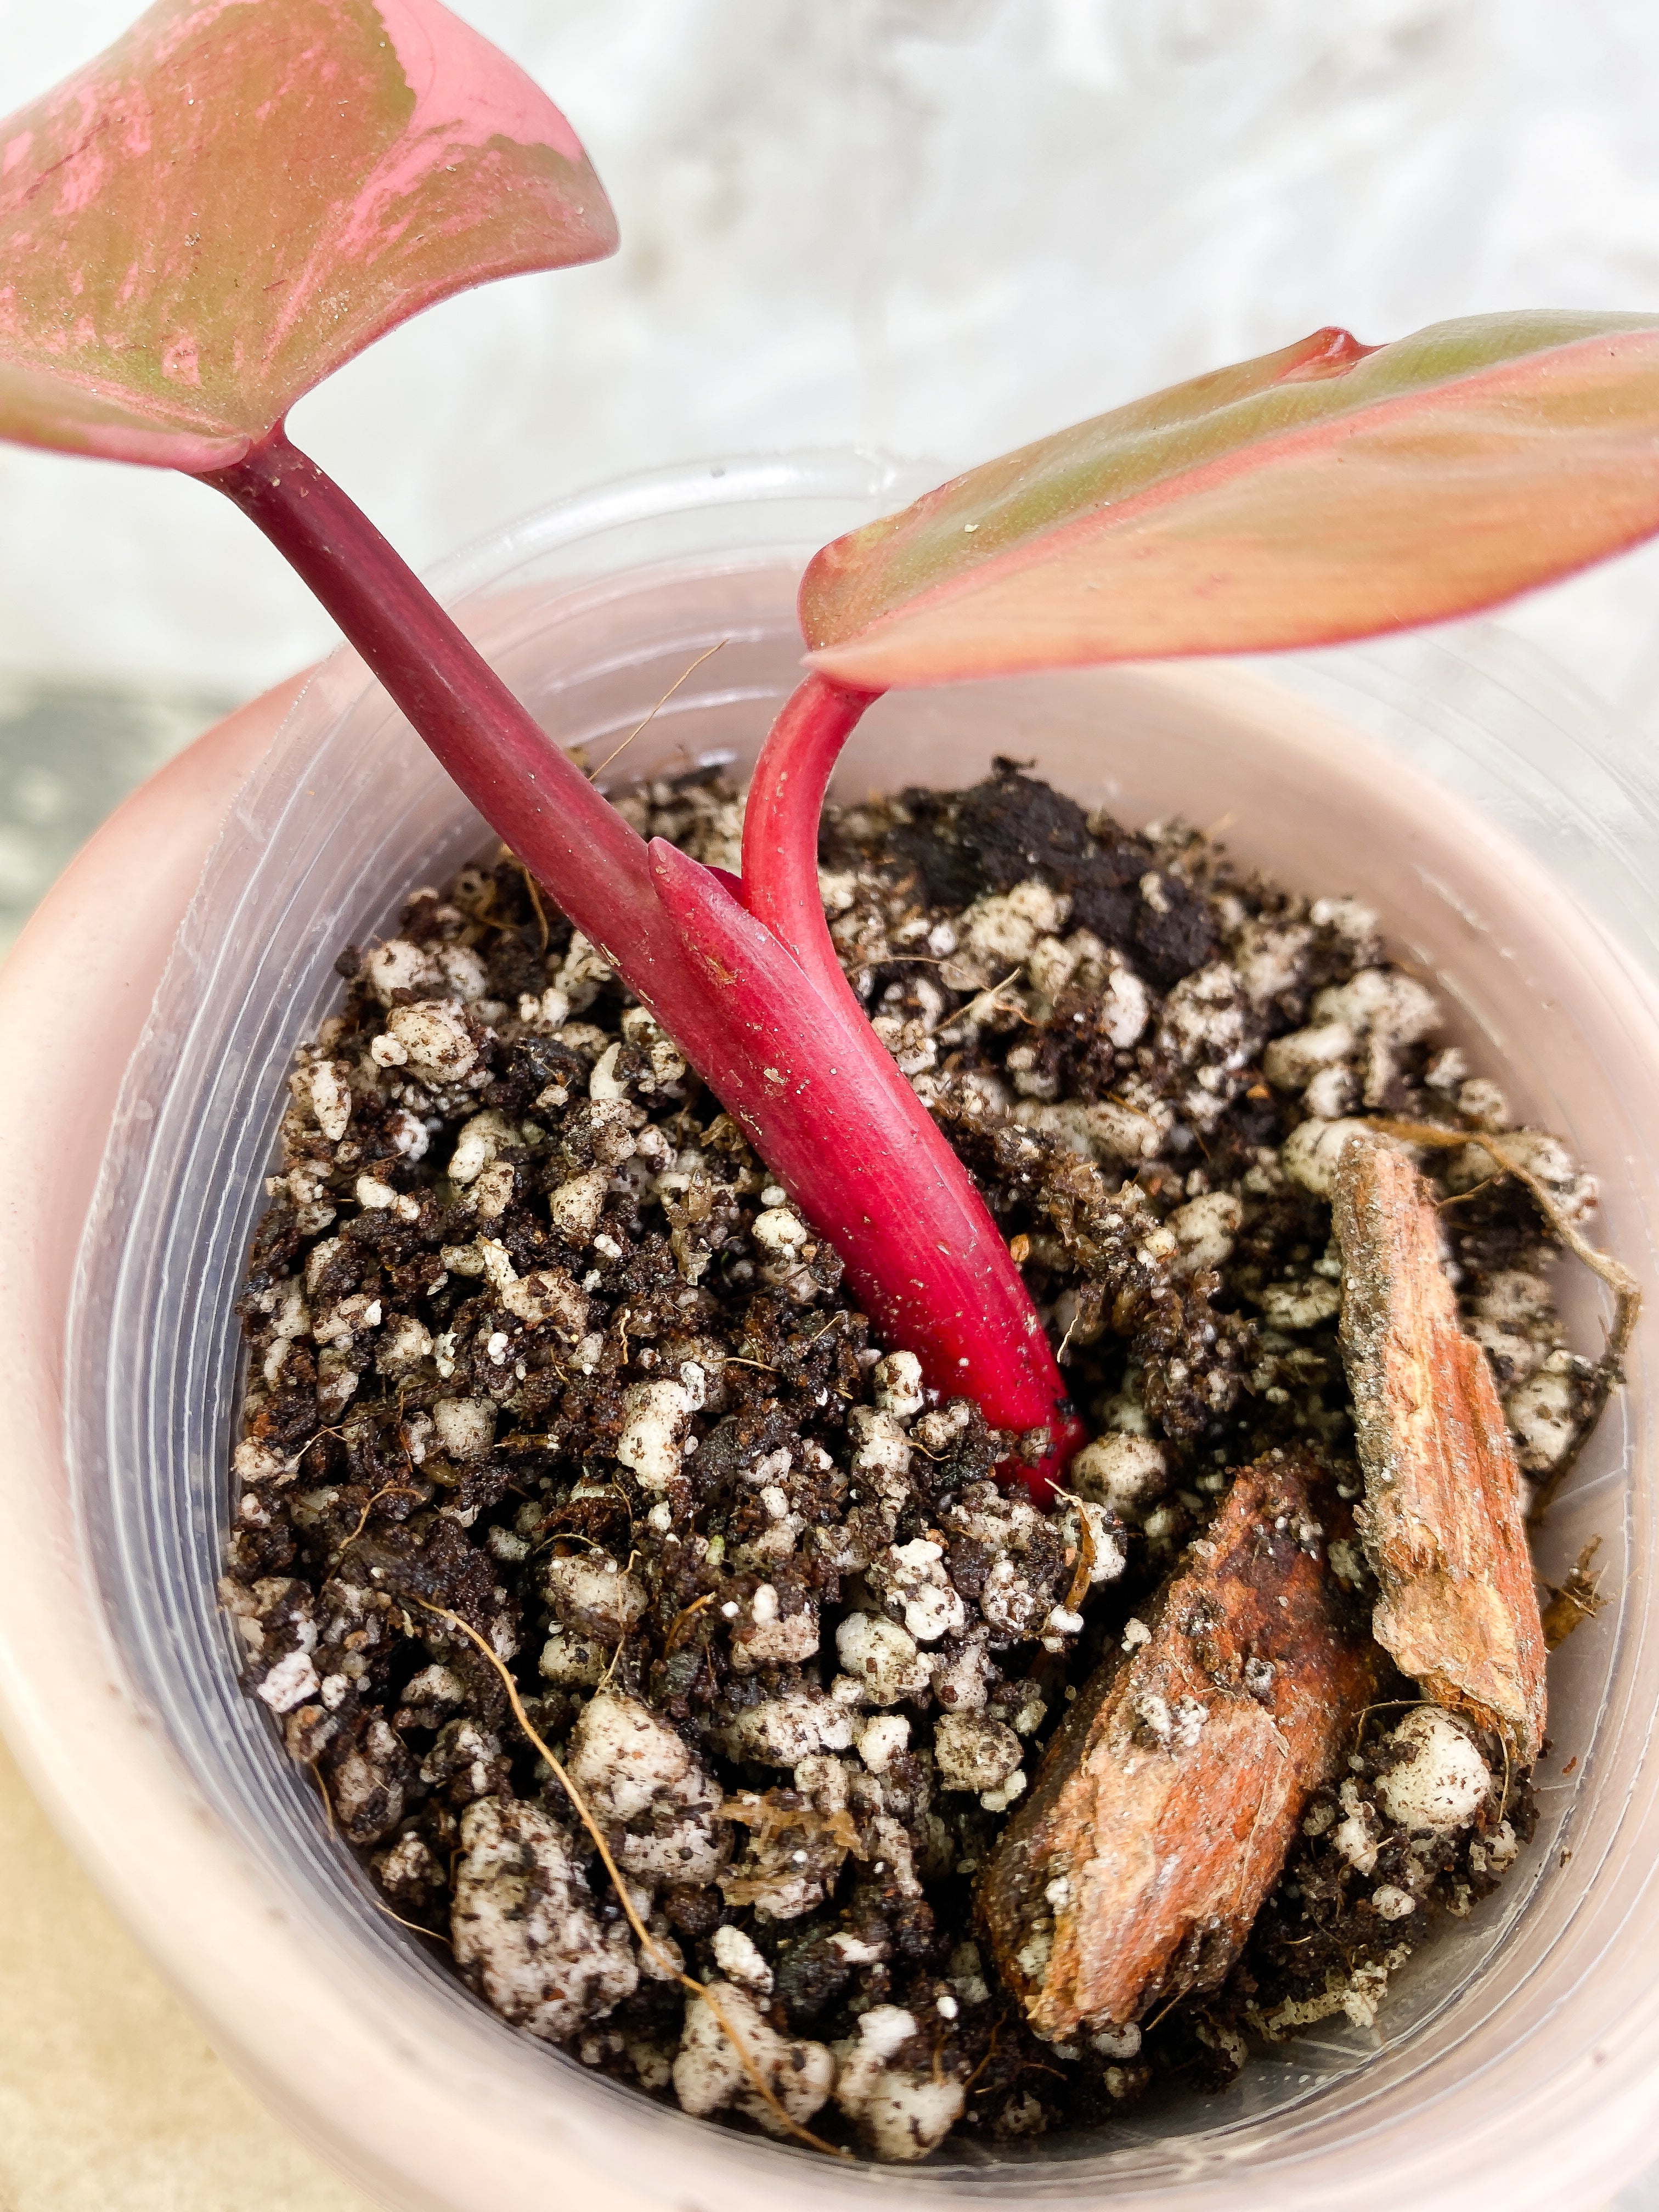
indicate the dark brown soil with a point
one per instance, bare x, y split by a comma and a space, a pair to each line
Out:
532, 1337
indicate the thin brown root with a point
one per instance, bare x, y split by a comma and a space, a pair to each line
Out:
769, 1822
413, 1926
534, 890
682, 1617
594, 774
1575, 1601
1158, 2017
1462, 1197
1384, 1705
997, 2026
322, 1791
1085, 1564
648, 1942
386, 1490
986, 999
1618, 1277
609, 1675
1627, 1290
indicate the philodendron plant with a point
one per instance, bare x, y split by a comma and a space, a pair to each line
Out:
240, 195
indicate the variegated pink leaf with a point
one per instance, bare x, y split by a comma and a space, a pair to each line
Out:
240, 195
1327, 492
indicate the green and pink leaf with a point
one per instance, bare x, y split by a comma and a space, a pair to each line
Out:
240, 195
1326, 492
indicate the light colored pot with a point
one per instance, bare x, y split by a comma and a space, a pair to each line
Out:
1515, 2062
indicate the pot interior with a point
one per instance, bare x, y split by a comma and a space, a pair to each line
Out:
349, 814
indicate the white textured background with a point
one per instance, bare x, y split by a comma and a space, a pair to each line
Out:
941, 225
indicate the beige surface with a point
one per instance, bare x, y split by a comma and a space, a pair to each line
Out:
109, 2093
111, 2099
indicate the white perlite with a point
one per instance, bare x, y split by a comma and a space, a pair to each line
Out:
1300, 1306
903, 2114
1442, 1781
771, 1637
290, 1682
1204, 1230
572, 1659
640, 1775
330, 1097
399, 965
975, 1751
881, 1739
1543, 1414
465, 1426
436, 1038
780, 1232
654, 1432
881, 1658
1123, 1472
783, 1730
523, 1927
594, 1596
576, 1206
1007, 925
911, 1580
739, 1960
881, 1450
476, 1148
897, 1380
709, 2075
1311, 1152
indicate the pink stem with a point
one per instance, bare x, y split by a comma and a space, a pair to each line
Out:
868, 1163
780, 823
979, 1283
526, 787
775, 1033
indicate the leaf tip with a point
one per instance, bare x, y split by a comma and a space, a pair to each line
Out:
1330, 351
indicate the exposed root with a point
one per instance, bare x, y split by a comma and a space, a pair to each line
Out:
769, 1820
594, 774
1575, 1601
687, 1613
540, 912
322, 1791
414, 1927
386, 1490
986, 1000
1085, 1557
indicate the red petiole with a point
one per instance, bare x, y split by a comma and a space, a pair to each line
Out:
743, 976
957, 1285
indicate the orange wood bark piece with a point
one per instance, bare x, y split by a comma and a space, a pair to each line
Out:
1166, 1804
1444, 1521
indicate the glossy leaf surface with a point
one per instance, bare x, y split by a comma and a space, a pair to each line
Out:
240, 195
1325, 492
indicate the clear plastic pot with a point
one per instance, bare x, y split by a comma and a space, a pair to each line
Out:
1515, 2058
